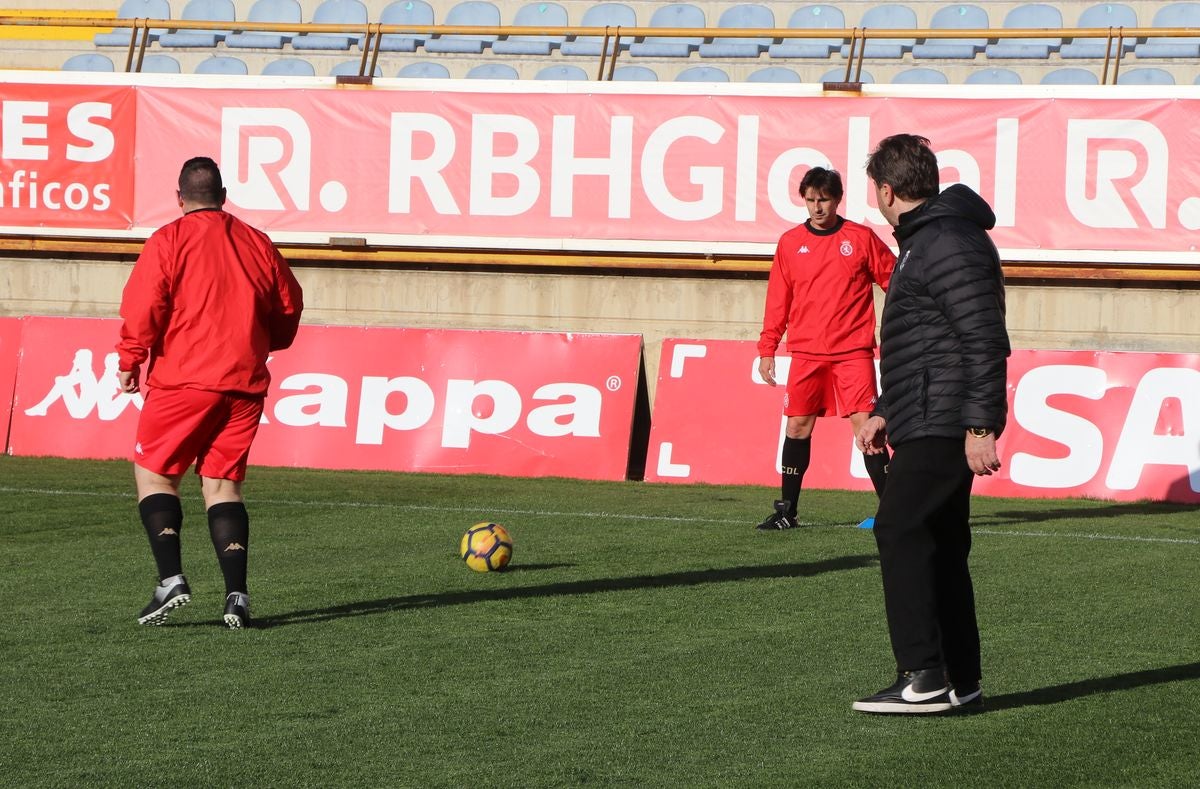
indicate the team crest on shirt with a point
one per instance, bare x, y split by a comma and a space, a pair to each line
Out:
846, 249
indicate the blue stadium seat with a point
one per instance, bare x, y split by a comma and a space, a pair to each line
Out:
201, 11
424, 71
159, 64
135, 9
1070, 76
886, 17
88, 61
674, 15
468, 12
493, 71
334, 12
741, 16
222, 64
954, 17
404, 12
702, 74
1145, 76
272, 11
601, 15
1104, 15
571, 73
993, 76
839, 75
289, 67
349, 68
1173, 15
534, 15
920, 76
634, 74
811, 17
774, 74
1030, 16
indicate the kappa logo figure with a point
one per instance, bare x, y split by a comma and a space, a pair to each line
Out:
81, 391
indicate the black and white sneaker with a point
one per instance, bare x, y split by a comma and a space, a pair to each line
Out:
968, 698
914, 693
780, 519
237, 610
168, 595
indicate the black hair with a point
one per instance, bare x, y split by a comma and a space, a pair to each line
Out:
826, 182
200, 182
906, 163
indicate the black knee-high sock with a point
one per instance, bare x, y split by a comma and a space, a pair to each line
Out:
229, 527
162, 515
877, 470
797, 452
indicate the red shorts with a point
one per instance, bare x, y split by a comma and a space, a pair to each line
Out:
824, 388
214, 429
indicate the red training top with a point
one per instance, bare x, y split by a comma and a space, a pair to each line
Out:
208, 299
819, 290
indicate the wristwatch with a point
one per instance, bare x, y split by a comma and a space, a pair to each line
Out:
980, 432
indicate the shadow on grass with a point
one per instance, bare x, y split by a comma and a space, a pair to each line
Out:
1089, 687
664, 581
1052, 513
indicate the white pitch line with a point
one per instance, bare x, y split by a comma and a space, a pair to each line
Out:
612, 515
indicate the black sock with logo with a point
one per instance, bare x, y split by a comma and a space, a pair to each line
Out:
162, 515
229, 527
797, 452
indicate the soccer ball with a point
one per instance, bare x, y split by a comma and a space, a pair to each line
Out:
486, 547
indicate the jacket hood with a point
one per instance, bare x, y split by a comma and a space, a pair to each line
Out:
955, 201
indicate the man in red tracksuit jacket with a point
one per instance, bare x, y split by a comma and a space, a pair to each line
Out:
819, 293
208, 299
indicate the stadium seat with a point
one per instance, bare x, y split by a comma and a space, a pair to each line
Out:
268, 11
774, 74
159, 64
886, 17
702, 74
201, 11
334, 12
493, 71
404, 12
674, 15
350, 68
1030, 16
839, 75
1145, 76
289, 67
88, 61
1104, 15
634, 74
741, 16
920, 76
954, 17
993, 76
1070, 76
571, 73
222, 64
534, 15
601, 15
468, 12
1173, 15
424, 71
811, 17
135, 9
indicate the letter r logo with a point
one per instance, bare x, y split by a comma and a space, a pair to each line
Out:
1116, 162
266, 153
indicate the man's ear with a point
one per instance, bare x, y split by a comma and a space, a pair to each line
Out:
222, 201
886, 195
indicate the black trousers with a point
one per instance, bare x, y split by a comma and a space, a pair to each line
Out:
924, 537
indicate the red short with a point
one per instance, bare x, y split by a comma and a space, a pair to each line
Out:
824, 388
179, 426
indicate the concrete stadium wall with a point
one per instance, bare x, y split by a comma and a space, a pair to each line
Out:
1062, 315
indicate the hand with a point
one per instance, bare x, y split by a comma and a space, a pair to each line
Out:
872, 436
981, 454
766, 369
129, 380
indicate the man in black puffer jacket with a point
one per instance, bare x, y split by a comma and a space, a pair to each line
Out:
943, 359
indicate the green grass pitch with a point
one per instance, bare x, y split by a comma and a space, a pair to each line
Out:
644, 636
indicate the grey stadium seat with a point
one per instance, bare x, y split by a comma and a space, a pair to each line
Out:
493, 71
993, 76
135, 9
424, 71
1070, 76
289, 67
674, 15
404, 12
741, 16
534, 15
774, 74
920, 76
88, 61
349, 68
222, 64
702, 74
334, 12
469, 12
601, 15
1033, 15
572, 73
893, 17
1173, 15
1101, 16
634, 74
811, 17
159, 64
1145, 76
839, 75
954, 17
270, 11
201, 11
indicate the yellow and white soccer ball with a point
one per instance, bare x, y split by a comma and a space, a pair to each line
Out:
486, 547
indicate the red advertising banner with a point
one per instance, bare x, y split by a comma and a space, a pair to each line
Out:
10, 348
66, 155
509, 403
1121, 426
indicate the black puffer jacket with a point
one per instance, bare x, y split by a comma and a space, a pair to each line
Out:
943, 343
